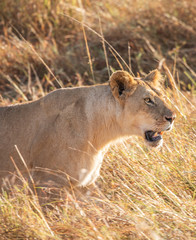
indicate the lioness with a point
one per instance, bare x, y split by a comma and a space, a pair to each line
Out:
65, 134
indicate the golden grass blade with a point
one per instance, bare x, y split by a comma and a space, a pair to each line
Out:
23, 161
99, 35
15, 86
40, 58
173, 83
88, 53
104, 48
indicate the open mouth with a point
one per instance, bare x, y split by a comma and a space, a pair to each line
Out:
152, 136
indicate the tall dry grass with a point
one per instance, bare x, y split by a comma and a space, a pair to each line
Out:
142, 32
143, 193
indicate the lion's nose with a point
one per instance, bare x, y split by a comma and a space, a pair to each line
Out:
170, 118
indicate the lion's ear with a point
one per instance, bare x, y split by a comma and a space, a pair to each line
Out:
154, 77
122, 85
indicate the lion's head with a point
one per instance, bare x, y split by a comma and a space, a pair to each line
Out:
144, 111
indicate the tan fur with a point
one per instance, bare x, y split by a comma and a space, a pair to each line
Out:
154, 76
65, 134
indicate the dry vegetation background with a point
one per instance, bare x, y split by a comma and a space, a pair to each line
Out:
143, 193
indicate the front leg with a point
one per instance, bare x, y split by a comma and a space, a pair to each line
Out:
89, 174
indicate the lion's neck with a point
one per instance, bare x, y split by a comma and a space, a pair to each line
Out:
105, 119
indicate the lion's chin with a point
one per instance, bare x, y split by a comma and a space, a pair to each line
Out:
153, 139
155, 144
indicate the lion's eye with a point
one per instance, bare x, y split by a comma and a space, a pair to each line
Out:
149, 101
